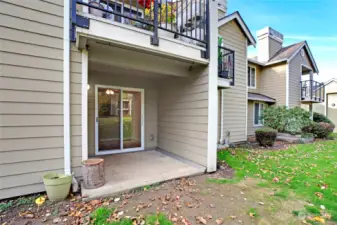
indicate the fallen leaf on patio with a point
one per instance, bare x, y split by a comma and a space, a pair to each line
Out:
189, 204
209, 216
233, 217
186, 222
167, 197
178, 206
212, 205
201, 220
29, 216
319, 195
57, 220
174, 219
219, 221
252, 215
95, 202
319, 219
39, 201
124, 203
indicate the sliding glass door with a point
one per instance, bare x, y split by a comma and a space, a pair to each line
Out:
119, 119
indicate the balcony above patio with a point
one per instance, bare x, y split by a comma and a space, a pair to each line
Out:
173, 29
312, 92
226, 62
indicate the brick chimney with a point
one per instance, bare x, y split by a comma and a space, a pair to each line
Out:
269, 41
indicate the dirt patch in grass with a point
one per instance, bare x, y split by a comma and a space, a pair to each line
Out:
183, 200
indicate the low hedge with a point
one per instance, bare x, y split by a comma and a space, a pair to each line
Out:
320, 130
266, 136
321, 118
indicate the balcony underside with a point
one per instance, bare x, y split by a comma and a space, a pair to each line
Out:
105, 55
136, 39
224, 83
311, 101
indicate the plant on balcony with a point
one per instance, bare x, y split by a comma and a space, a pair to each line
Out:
162, 9
166, 18
222, 67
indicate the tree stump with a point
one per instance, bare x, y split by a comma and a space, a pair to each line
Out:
93, 173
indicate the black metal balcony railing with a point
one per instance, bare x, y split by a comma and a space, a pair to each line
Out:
226, 63
187, 20
312, 91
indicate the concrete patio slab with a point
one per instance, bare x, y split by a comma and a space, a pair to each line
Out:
128, 171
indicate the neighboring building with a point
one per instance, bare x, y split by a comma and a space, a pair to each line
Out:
66, 79
329, 106
233, 100
280, 75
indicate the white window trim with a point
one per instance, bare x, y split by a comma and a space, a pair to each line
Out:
248, 68
264, 105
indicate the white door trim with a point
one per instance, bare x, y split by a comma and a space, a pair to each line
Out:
84, 108
108, 152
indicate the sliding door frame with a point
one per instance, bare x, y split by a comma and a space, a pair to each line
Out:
121, 150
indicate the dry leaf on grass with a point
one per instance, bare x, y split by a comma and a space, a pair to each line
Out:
201, 220
252, 215
219, 221
319, 195
276, 179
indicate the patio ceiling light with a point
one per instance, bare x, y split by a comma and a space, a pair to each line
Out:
109, 92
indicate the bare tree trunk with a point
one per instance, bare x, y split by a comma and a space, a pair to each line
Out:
93, 173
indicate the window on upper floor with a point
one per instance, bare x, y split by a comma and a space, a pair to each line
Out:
251, 77
258, 111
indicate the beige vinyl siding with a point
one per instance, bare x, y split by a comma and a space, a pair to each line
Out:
183, 116
273, 82
31, 95
250, 120
235, 98
124, 80
332, 110
295, 74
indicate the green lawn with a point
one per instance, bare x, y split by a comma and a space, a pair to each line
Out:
309, 171
107, 216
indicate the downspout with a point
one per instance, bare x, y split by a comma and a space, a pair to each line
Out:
66, 87
221, 117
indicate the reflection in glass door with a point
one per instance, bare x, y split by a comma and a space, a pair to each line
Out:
109, 119
132, 119
119, 120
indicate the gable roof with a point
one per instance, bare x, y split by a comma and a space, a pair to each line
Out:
286, 54
237, 17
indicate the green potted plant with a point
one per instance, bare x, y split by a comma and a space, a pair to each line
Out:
57, 185
223, 71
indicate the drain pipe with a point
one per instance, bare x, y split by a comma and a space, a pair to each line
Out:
221, 117
66, 87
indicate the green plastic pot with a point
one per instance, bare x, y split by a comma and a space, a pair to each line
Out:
57, 185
